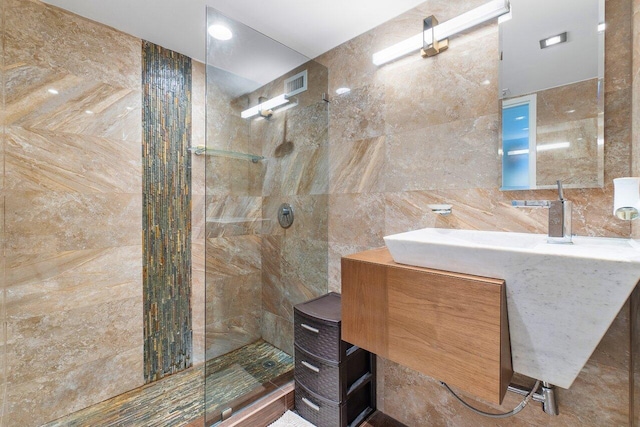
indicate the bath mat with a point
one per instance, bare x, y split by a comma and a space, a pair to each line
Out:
290, 419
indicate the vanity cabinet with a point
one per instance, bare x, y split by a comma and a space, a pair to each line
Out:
450, 326
335, 380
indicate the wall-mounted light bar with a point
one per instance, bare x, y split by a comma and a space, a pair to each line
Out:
543, 147
265, 106
553, 40
467, 20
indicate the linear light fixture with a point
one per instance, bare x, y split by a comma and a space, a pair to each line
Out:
441, 32
543, 147
553, 40
263, 108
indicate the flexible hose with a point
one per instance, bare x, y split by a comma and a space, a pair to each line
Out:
511, 413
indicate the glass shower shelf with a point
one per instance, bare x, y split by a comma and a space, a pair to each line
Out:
200, 150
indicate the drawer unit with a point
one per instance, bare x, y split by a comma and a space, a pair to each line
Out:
319, 336
332, 380
335, 381
326, 413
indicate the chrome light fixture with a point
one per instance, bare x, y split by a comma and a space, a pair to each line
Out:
433, 38
265, 108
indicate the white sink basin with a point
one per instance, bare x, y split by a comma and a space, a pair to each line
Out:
561, 298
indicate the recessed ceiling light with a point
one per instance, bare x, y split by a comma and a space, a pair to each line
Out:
89, 112
571, 111
220, 32
550, 41
342, 90
486, 82
130, 108
53, 91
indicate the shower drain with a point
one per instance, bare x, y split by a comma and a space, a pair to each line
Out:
268, 364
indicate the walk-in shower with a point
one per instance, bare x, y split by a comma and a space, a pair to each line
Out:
266, 144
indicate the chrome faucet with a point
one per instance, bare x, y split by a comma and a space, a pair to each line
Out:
559, 215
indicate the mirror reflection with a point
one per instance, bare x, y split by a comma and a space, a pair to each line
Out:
551, 90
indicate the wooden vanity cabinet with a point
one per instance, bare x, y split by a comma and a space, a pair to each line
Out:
452, 327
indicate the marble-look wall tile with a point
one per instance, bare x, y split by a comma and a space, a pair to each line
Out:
198, 299
278, 331
233, 313
459, 154
232, 256
49, 222
60, 341
617, 134
310, 216
336, 252
51, 37
72, 209
50, 283
40, 160
299, 171
618, 45
233, 215
294, 271
357, 219
36, 402
81, 106
460, 86
358, 114
355, 166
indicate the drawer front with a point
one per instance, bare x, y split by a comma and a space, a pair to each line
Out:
318, 411
324, 413
319, 377
318, 338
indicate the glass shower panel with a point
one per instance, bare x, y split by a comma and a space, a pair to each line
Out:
266, 145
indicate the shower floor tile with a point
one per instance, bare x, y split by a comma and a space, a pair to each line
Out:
233, 380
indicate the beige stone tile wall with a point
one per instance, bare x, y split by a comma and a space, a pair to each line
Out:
296, 171
72, 204
230, 232
421, 131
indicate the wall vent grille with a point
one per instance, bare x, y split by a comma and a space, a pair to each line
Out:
296, 84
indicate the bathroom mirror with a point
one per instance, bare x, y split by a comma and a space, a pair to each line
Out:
551, 94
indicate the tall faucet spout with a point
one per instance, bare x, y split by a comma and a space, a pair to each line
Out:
559, 215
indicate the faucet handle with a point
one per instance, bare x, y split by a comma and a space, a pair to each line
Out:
560, 195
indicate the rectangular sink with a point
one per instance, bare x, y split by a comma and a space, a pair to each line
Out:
561, 298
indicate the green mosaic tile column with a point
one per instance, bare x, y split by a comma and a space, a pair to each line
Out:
166, 163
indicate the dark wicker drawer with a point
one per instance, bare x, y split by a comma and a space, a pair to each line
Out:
320, 338
331, 380
325, 413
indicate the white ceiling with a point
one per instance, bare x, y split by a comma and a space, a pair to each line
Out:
311, 27
525, 68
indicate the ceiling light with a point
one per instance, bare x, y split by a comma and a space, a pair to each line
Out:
220, 32
553, 40
89, 112
342, 90
53, 91
571, 111
265, 106
467, 20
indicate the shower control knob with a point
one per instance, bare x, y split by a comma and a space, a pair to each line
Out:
285, 215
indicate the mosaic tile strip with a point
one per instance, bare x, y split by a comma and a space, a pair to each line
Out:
166, 211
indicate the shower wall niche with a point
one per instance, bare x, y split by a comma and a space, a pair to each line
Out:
255, 269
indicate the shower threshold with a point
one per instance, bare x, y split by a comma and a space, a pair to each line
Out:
228, 384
